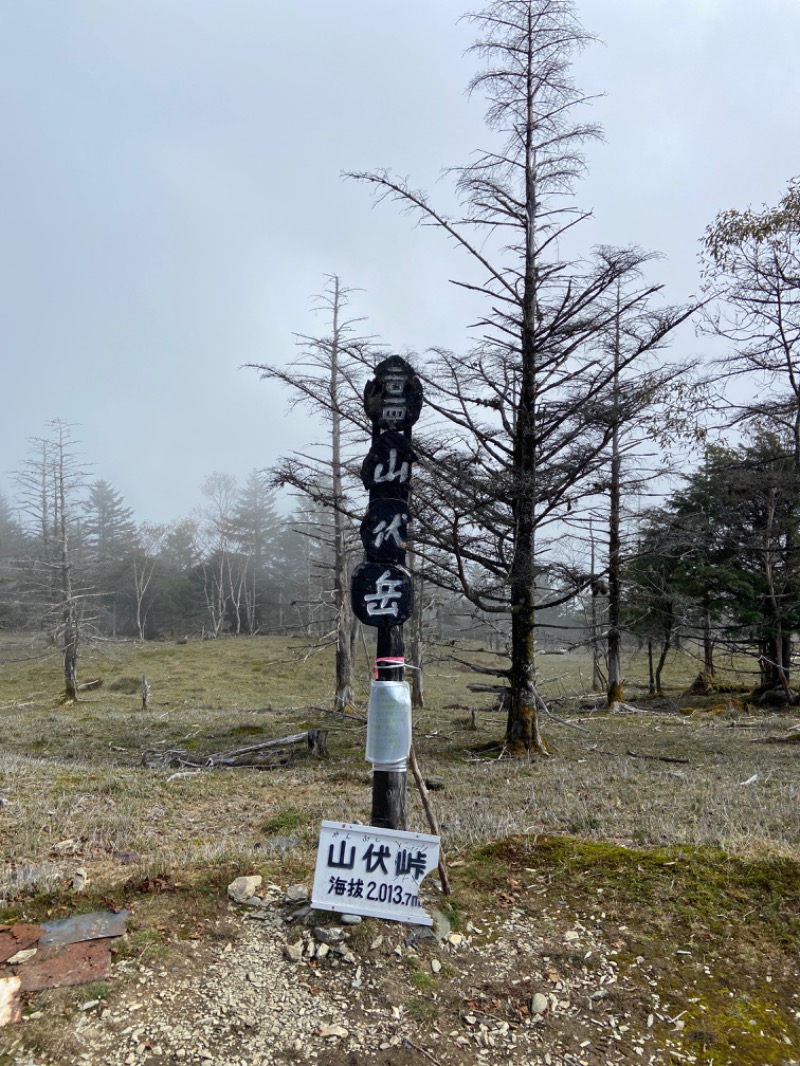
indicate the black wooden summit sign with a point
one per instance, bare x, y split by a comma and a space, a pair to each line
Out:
383, 594
382, 589
384, 531
386, 471
393, 398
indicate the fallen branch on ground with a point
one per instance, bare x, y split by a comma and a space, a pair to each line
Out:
542, 706
421, 1050
492, 671
268, 755
658, 758
792, 737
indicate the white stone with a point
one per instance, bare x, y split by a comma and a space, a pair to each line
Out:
333, 1031
21, 956
244, 888
10, 1005
539, 1003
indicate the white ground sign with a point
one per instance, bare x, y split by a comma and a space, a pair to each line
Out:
374, 872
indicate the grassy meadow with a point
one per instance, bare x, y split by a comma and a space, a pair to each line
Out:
76, 773
681, 811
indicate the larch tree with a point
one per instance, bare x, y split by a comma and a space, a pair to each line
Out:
648, 405
327, 379
51, 482
107, 535
527, 410
255, 529
222, 581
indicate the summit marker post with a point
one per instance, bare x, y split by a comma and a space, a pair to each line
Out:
382, 590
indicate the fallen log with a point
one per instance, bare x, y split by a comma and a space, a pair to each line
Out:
268, 755
659, 758
492, 671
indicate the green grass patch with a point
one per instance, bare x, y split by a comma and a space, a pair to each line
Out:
722, 932
688, 891
286, 821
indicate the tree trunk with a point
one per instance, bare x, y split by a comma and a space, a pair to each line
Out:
765, 660
615, 692
343, 700
68, 597
651, 675
787, 657
708, 645
522, 730
779, 672
666, 645
597, 674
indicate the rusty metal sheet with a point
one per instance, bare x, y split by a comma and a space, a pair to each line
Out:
93, 926
73, 964
17, 937
10, 1002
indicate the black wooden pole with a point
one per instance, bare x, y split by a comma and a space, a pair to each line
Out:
389, 786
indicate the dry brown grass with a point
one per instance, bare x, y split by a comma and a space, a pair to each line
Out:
671, 846
75, 773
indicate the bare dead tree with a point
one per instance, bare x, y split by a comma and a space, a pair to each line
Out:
328, 379
51, 481
144, 559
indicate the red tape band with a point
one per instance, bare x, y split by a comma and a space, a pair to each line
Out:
388, 660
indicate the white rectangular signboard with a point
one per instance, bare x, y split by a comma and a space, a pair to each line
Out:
373, 872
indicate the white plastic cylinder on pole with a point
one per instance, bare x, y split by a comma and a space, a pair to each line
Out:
389, 725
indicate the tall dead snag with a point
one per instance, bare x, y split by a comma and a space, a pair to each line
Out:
50, 481
524, 415
327, 379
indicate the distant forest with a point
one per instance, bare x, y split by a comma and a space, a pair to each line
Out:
236, 566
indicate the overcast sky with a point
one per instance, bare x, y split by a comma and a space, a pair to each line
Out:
171, 198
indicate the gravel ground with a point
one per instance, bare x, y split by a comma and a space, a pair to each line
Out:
268, 989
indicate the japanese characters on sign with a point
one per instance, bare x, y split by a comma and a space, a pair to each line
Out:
373, 872
382, 589
393, 398
386, 471
384, 531
382, 594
